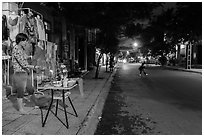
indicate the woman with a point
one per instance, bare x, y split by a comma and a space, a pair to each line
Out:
21, 68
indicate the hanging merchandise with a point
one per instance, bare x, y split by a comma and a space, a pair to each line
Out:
49, 55
40, 27
29, 22
53, 50
56, 46
5, 31
49, 49
13, 25
32, 24
31, 28
23, 22
39, 57
41, 44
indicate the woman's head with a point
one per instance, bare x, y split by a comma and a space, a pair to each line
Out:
21, 37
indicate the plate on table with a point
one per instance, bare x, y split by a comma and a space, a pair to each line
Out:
57, 83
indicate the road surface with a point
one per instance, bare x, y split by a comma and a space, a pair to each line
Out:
166, 102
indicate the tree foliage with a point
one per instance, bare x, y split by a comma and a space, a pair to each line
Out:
153, 36
103, 14
189, 20
172, 27
115, 18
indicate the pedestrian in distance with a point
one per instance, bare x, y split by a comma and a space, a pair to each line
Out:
142, 69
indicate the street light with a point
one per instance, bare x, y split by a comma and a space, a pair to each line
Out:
135, 44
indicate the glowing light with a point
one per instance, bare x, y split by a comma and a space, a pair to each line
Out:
182, 46
135, 44
124, 60
128, 52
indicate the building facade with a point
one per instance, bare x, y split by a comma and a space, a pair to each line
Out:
75, 44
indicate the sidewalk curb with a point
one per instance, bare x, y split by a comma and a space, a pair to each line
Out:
93, 117
84, 74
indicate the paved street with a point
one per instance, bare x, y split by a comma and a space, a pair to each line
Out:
166, 102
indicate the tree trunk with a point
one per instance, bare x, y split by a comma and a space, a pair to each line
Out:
106, 63
97, 66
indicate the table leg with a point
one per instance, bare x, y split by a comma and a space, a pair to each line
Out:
64, 105
41, 115
43, 124
73, 106
8, 73
56, 108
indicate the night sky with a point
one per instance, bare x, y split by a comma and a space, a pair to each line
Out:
166, 6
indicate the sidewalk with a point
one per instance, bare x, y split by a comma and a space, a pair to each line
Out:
193, 70
183, 69
89, 109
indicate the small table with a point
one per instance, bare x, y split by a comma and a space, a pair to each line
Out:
79, 82
63, 96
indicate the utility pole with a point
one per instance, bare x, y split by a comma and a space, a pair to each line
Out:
188, 56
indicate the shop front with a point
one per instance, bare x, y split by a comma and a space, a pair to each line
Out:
43, 41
